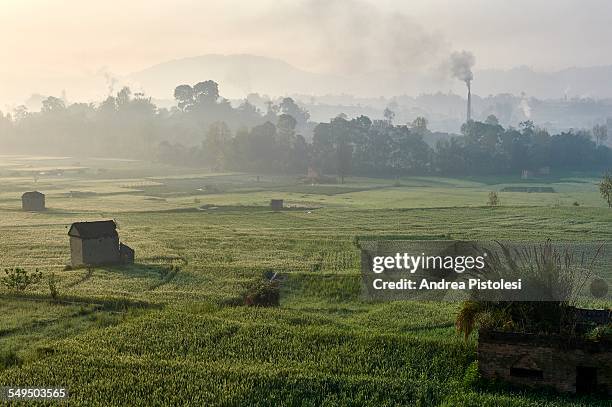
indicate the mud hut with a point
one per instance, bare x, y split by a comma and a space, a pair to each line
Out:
33, 201
276, 204
97, 243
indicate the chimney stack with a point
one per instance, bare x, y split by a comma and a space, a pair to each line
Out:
469, 101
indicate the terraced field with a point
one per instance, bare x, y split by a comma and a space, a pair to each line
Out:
170, 329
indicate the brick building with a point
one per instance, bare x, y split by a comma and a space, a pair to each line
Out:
566, 365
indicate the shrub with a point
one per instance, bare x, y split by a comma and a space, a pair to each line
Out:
263, 293
605, 188
19, 279
53, 287
600, 334
493, 199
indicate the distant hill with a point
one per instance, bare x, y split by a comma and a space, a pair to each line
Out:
594, 82
239, 75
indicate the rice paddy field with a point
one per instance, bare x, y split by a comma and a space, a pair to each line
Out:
171, 330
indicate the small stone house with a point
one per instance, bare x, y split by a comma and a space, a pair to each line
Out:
544, 361
33, 201
97, 243
276, 204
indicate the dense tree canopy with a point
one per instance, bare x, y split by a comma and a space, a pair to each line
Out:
205, 130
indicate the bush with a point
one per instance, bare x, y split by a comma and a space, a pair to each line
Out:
493, 199
600, 334
53, 287
263, 293
20, 279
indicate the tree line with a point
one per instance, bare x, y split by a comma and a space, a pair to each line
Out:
205, 130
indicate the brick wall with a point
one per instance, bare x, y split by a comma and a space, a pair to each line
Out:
542, 361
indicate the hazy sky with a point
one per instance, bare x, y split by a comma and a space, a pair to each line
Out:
47, 44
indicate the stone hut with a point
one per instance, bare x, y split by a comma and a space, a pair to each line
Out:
33, 201
545, 361
276, 204
97, 243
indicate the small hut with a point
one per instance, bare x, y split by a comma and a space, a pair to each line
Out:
276, 204
33, 201
97, 243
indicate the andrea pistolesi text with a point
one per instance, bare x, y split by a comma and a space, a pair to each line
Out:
405, 262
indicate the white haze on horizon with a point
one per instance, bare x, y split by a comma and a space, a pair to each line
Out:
80, 46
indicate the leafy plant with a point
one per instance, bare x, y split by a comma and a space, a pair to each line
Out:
19, 279
600, 333
493, 199
53, 289
263, 293
605, 188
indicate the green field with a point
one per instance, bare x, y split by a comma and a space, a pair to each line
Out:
169, 330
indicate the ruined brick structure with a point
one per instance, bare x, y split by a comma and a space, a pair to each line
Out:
569, 366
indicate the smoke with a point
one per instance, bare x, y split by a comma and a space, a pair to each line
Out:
110, 80
350, 37
524, 105
461, 64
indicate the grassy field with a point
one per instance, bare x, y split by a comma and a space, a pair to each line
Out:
168, 330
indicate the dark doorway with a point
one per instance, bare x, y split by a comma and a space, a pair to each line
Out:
586, 380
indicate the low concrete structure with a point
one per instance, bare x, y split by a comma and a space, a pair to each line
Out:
276, 204
33, 201
568, 366
97, 243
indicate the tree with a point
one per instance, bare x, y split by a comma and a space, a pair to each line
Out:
216, 145
605, 188
493, 199
123, 97
288, 106
184, 96
389, 115
286, 126
345, 157
419, 125
600, 132
206, 92
52, 104
492, 120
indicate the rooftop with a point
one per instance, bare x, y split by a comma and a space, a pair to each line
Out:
93, 230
